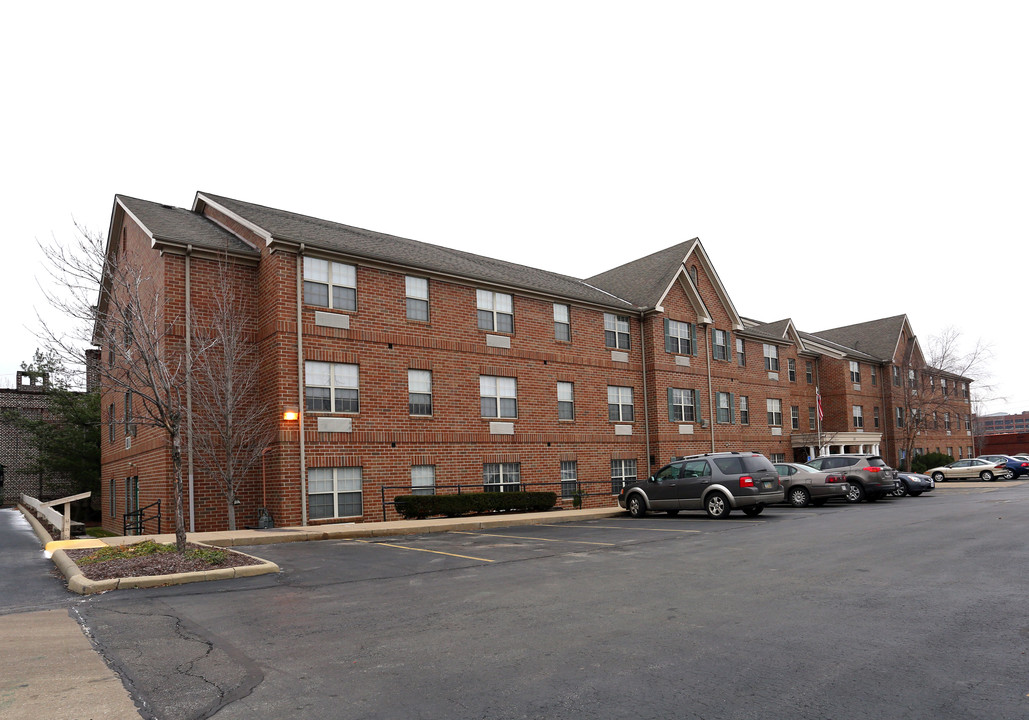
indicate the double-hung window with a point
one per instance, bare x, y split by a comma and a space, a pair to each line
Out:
943, 385
771, 357
496, 311
331, 387
741, 352
334, 492
498, 396
562, 322
682, 405
875, 417
774, 407
744, 410
946, 421
724, 408
565, 401
809, 372
680, 337
616, 331
569, 478
811, 418
795, 417
623, 472
859, 417
423, 479
417, 292
130, 426
720, 344
619, 403
330, 284
855, 372
501, 477
900, 417
419, 392
791, 366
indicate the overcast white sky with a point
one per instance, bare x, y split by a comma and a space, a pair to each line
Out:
841, 162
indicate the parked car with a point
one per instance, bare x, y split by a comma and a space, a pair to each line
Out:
967, 469
1016, 468
913, 484
868, 476
1021, 456
715, 482
803, 484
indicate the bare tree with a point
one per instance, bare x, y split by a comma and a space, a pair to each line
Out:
231, 416
113, 302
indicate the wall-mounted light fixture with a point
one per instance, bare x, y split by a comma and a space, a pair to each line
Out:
290, 414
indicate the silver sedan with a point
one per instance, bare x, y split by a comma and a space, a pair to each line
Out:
804, 484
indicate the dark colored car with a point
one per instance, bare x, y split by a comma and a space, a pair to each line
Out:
715, 482
913, 484
1016, 468
803, 484
869, 477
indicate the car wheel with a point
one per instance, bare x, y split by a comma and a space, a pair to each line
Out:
916, 493
636, 505
856, 493
1009, 475
753, 510
986, 475
939, 477
672, 513
799, 497
818, 502
717, 506
900, 491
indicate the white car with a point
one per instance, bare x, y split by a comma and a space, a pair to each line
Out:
966, 469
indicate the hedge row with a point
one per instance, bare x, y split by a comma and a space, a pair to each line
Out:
422, 506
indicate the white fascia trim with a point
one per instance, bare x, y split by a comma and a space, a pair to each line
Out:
683, 278
723, 295
256, 229
136, 220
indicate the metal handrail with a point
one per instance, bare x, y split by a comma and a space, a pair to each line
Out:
139, 518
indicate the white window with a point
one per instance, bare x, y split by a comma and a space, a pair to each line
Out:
874, 377
498, 396
501, 477
562, 322
900, 417
569, 478
619, 403
419, 392
423, 479
875, 417
723, 403
943, 385
811, 418
334, 492
330, 284
682, 405
679, 337
946, 421
720, 344
744, 410
859, 416
565, 401
855, 372
623, 472
616, 331
496, 311
777, 457
774, 407
417, 291
771, 357
795, 417
331, 387
741, 353
791, 365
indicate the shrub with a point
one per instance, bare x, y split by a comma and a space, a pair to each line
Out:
423, 506
921, 463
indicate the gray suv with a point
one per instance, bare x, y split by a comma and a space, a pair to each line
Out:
869, 477
715, 482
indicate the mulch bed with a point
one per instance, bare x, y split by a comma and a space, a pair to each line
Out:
157, 564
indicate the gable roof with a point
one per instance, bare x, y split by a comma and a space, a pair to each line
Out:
164, 223
878, 338
314, 233
644, 281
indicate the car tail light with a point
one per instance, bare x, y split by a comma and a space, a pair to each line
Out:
835, 478
1000, 466
746, 481
872, 469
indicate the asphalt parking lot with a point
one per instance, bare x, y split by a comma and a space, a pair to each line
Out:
906, 608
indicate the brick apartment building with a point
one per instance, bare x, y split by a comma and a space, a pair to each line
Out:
418, 367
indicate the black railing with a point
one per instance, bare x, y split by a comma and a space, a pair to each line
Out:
574, 492
137, 519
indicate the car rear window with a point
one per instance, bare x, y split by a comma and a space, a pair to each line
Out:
876, 461
757, 463
730, 465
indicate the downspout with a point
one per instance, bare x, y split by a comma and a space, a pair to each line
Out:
887, 416
300, 384
710, 389
189, 390
646, 406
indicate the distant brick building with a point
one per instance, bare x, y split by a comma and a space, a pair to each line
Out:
418, 367
1001, 423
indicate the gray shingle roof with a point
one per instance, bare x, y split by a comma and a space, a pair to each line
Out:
773, 330
877, 338
360, 243
184, 226
643, 281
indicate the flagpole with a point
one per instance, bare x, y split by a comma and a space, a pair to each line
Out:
818, 417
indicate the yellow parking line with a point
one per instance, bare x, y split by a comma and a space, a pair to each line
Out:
630, 527
519, 537
437, 552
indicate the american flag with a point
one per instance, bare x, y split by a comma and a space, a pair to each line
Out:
818, 402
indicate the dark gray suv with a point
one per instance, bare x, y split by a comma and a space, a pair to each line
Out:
715, 482
869, 477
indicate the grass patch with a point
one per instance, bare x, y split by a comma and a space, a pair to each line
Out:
211, 556
99, 532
